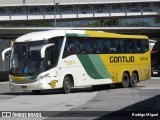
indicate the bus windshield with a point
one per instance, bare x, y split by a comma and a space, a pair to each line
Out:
25, 58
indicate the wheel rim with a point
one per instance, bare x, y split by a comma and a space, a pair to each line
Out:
68, 85
134, 79
125, 80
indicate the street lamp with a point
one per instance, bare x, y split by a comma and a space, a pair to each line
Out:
55, 5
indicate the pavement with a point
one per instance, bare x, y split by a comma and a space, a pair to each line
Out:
87, 104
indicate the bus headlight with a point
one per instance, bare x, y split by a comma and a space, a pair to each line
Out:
42, 77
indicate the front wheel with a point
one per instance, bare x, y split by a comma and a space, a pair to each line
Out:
125, 80
133, 80
66, 85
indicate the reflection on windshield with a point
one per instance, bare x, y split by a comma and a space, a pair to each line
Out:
26, 58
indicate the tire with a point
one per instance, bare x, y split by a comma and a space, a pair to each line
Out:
134, 80
125, 80
36, 92
66, 85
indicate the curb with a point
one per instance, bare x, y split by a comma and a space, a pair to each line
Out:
4, 83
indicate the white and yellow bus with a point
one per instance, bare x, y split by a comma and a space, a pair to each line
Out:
66, 58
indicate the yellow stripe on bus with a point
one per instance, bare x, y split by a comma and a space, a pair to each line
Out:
16, 78
113, 35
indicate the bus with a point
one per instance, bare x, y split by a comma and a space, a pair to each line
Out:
151, 44
155, 60
62, 59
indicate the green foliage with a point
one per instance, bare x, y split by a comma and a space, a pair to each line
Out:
115, 23
29, 24
138, 24
102, 23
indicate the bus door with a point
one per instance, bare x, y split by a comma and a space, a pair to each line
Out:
51, 60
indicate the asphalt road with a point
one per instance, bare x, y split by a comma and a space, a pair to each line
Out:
87, 104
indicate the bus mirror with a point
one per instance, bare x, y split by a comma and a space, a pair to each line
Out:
43, 49
4, 53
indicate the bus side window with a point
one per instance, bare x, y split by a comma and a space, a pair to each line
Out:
113, 46
100, 45
119, 47
81, 47
94, 46
122, 42
126, 46
50, 58
106, 46
76, 45
87, 45
132, 49
138, 46
135, 46
95, 49
66, 50
71, 50
144, 45
70, 47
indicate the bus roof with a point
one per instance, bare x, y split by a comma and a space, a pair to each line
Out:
44, 35
114, 35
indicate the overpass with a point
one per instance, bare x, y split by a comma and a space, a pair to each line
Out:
24, 10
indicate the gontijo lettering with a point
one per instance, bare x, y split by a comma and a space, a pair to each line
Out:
121, 59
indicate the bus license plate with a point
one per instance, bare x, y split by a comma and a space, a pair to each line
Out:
155, 72
24, 87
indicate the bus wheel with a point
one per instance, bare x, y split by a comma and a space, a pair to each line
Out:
36, 92
66, 85
133, 80
125, 80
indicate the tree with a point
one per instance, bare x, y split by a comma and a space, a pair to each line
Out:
102, 23
30, 24
138, 24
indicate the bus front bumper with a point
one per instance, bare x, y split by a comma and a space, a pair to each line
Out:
37, 85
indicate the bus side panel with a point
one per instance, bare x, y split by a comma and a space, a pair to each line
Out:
145, 72
95, 69
121, 69
117, 64
86, 70
143, 60
92, 69
72, 66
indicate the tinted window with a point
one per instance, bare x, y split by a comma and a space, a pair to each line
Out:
50, 59
89, 45
144, 45
124, 46
52, 53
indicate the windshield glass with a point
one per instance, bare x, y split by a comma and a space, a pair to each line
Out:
25, 58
